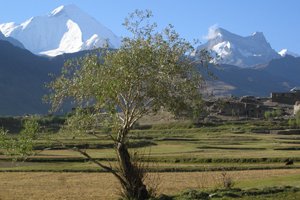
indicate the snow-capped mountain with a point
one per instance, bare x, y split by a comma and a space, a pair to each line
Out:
66, 29
237, 50
11, 40
285, 52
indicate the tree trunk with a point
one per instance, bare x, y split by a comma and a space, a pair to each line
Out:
132, 174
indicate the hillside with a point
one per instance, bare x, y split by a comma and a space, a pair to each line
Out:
279, 75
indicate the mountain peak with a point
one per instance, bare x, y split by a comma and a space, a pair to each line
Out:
242, 51
258, 34
68, 9
216, 32
222, 30
67, 29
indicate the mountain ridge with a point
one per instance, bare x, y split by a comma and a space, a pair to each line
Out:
23, 76
279, 75
11, 40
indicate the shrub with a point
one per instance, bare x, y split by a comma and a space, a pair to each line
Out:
292, 123
273, 114
297, 117
267, 115
193, 194
295, 123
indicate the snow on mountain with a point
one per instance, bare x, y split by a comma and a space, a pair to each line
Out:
285, 52
237, 50
11, 40
67, 29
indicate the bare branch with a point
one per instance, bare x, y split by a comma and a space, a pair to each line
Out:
107, 168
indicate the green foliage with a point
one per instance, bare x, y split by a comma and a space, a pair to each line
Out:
4, 140
295, 122
193, 195
273, 114
292, 123
30, 129
297, 117
22, 145
277, 113
234, 193
17, 148
267, 115
85, 121
151, 69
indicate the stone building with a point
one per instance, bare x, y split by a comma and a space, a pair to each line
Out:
247, 106
286, 97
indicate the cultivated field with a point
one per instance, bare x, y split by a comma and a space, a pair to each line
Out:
178, 155
77, 186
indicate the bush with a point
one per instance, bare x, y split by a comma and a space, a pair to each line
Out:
162, 197
31, 128
227, 180
267, 115
292, 123
193, 195
273, 114
297, 117
295, 123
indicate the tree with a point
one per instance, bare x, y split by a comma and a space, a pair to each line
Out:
149, 71
297, 117
22, 145
295, 122
268, 115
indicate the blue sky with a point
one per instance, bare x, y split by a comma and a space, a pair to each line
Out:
278, 19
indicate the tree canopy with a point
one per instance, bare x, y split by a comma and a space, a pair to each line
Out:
149, 71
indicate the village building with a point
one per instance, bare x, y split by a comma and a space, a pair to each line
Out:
290, 97
247, 106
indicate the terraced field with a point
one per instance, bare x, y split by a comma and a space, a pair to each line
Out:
195, 154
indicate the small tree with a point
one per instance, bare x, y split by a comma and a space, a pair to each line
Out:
273, 114
31, 128
268, 115
292, 123
297, 118
295, 122
149, 71
22, 145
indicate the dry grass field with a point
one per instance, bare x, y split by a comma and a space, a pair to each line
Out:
90, 186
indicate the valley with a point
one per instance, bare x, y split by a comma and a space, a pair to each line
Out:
89, 113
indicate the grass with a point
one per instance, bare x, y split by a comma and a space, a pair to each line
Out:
237, 193
152, 166
278, 196
217, 146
